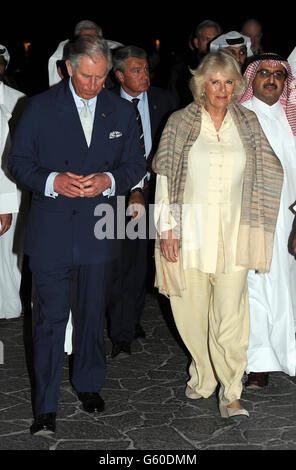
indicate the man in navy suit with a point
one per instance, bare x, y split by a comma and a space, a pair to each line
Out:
130, 65
73, 172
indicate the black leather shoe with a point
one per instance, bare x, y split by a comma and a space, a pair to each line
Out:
116, 348
122, 349
91, 401
126, 347
44, 425
139, 333
257, 380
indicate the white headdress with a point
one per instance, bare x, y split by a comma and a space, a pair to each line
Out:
231, 39
4, 52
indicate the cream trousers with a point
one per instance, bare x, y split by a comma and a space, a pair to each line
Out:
212, 317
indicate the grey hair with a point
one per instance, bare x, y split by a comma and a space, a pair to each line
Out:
219, 61
251, 20
123, 53
207, 24
90, 46
87, 24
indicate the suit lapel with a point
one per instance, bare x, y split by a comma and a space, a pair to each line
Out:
68, 110
71, 121
102, 118
73, 131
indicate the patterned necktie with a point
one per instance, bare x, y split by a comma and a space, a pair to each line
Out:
139, 120
86, 121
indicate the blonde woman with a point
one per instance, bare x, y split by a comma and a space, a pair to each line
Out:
217, 198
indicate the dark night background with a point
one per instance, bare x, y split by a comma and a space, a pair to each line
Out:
44, 26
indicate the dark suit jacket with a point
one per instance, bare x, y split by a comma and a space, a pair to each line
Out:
50, 138
161, 104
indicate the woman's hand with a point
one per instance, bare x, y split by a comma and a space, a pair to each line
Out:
169, 246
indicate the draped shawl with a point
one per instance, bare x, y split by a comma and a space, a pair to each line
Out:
262, 184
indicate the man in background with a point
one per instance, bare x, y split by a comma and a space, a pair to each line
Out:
236, 44
253, 29
198, 46
152, 107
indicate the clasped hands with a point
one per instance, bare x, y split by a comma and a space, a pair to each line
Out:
72, 185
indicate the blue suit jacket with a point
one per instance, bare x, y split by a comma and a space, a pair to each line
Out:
50, 138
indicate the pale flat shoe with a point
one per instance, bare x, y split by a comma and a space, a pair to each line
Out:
190, 393
233, 412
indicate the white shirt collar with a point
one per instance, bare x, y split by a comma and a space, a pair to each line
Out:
78, 99
142, 96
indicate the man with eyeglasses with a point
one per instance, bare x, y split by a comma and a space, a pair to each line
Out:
271, 94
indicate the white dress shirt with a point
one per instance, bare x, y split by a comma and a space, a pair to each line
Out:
143, 107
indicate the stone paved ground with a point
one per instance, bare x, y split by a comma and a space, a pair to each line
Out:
146, 408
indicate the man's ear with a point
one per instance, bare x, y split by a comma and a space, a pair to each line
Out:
69, 68
120, 76
195, 42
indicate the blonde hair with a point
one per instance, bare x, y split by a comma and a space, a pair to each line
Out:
220, 61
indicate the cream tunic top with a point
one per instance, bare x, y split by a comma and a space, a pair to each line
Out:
212, 197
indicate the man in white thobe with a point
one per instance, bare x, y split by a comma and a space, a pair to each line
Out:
12, 103
55, 74
10, 275
271, 94
236, 44
13, 100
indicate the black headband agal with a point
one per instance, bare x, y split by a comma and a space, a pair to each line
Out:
235, 41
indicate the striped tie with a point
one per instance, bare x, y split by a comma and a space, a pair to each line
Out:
139, 120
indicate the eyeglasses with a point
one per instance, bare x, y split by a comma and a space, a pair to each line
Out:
277, 74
